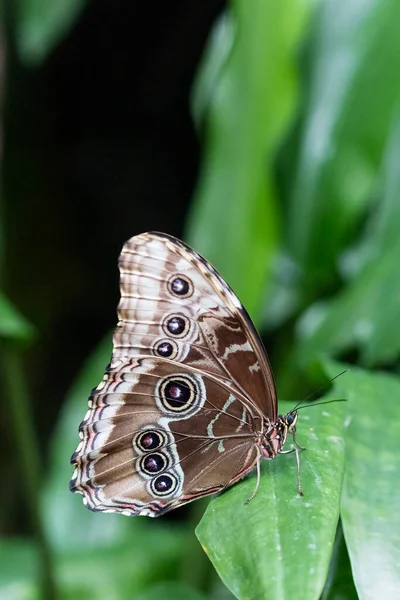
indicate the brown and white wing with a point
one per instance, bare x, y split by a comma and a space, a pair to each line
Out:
174, 304
158, 435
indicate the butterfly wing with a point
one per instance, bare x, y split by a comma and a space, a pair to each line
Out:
157, 435
175, 304
189, 384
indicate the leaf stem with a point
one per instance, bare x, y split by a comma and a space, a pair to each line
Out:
26, 447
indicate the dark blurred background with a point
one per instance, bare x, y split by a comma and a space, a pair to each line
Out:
99, 146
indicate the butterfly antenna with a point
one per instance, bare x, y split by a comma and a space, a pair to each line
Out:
319, 391
320, 403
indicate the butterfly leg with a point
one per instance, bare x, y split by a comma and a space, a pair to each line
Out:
295, 441
298, 469
297, 450
258, 479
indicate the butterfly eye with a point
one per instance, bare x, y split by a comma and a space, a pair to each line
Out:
290, 419
181, 286
164, 485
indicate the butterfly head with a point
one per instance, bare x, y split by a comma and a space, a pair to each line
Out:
274, 437
290, 420
286, 424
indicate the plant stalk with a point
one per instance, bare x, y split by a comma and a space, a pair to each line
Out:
27, 450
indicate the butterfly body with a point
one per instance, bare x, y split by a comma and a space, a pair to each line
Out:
188, 404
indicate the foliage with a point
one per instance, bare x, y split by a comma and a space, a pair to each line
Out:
284, 541
41, 24
297, 206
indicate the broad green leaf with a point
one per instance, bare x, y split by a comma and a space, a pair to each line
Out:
234, 217
352, 97
279, 546
19, 568
365, 314
383, 226
371, 488
171, 591
42, 24
13, 326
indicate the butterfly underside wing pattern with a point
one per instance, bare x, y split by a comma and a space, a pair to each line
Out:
187, 405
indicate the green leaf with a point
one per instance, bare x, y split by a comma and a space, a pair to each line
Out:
13, 326
42, 24
279, 545
19, 568
352, 97
365, 314
170, 591
371, 488
383, 226
234, 216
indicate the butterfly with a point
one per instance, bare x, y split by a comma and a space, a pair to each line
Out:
187, 405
